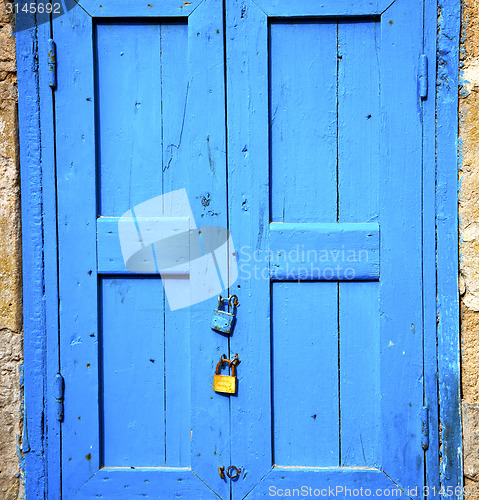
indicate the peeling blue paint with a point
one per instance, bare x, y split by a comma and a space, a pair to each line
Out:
447, 236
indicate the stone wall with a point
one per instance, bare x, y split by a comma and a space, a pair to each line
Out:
469, 236
10, 270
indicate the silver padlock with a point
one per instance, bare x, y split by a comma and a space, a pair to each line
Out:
223, 321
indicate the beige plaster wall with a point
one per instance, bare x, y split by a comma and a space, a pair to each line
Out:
10, 271
469, 237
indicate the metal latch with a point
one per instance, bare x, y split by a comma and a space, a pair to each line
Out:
425, 428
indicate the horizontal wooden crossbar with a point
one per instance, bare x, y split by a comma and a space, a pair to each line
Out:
324, 251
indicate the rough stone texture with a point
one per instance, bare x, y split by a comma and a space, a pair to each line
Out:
469, 239
470, 422
10, 271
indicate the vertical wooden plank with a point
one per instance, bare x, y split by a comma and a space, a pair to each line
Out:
360, 373
447, 253
205, 183
129, 114
128, 79
358, 172
52, 426
401, 321
305, 374
178, 388
150, 110
133, 387
358, 120
174, 100
76, 188
429, 253
303, 125
32, 260
248, 208
175, 167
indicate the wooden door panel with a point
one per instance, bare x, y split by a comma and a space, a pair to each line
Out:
133, 382
139, 112
296, 103
305, 374
359, 179
137, 131
78, 291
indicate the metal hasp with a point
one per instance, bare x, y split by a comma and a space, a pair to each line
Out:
52, 64
223, 321
425, 428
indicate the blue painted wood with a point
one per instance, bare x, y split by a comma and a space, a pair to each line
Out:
401, 322
359, 118
133, 373
296, 8
176, 170
305, 374
431, 392
249, 222
447, 256
170, 170
76, 204
112, 483
130, 132
204, 170
110, 259
154, 102
360, 369
324, 251
333, 481
126, 8
52, 427
33, 465
359, 172
303, 165
392, 350
155, 130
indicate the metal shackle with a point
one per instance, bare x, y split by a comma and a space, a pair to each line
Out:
231, 364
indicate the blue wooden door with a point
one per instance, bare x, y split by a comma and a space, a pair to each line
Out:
298, 126
333, 341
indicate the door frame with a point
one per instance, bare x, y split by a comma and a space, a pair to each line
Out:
40, 459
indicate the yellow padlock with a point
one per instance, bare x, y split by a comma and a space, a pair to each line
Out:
225, 383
